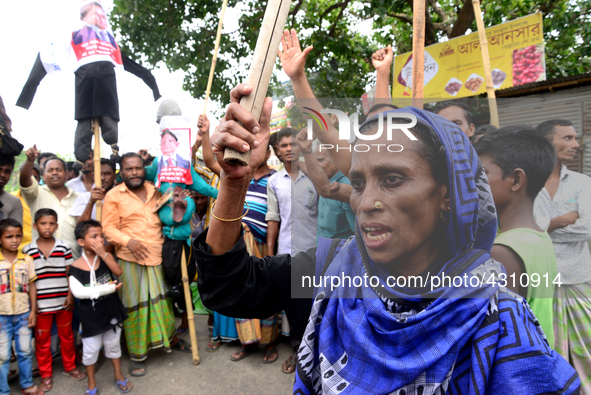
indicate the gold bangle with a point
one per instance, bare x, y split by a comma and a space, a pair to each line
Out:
229, 220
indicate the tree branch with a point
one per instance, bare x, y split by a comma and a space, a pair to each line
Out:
444, 25
429, 29
401, 17
464, 20
334, 25
341, 5
295, 11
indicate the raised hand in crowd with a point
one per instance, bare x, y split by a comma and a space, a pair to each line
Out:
27, 170
303, 142
382, 61
317, 166
144, 154
208, 156
239, 130
293, 59
203, 124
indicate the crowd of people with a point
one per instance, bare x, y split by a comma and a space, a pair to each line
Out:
468, 202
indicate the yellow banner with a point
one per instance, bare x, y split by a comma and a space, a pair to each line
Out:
453, 69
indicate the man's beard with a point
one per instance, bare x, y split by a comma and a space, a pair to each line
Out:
128, 184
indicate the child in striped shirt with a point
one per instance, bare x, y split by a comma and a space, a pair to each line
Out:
52, 258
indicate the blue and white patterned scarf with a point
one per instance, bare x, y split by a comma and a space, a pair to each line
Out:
485, 339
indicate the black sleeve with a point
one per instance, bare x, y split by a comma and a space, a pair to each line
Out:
35, 77
141, 72
238, 285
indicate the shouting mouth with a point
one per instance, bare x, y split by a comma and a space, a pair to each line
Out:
375, 235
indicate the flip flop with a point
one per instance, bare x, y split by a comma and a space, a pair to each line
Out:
182, 346
216, 346
75, 374
292, 361
248, 351
136, 366
268, 353
123, 383
92, 392
180, 332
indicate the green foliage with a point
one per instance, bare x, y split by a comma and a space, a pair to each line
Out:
181, 33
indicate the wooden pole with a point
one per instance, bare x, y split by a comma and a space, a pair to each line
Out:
490, 89
262, 66
97, 166
189, 308
418, 52
215, 55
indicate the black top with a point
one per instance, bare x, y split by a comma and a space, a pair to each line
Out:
96, 91
107, 311
236, 284
96, 88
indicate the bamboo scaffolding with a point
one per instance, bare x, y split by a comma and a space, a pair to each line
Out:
97, 166
490, 89
189, 304
262, 66
215, 55
418, 52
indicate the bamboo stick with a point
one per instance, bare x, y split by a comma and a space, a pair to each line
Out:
418, 52
97, 166
189, 308
215, 55
262, 66
490, 89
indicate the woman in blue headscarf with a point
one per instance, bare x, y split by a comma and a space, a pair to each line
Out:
421, 307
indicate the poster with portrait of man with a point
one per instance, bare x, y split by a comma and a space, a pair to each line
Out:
93, 40
174, 159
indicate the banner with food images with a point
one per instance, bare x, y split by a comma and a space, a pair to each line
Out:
454, 69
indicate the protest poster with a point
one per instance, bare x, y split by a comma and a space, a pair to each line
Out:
93, 39
174, 160
454, 69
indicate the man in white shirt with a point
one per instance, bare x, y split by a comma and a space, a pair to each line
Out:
563, 207
84, 207
85, 181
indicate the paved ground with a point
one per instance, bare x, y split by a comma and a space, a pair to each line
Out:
174, 373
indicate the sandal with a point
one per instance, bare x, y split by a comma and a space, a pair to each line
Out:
268, 354
135, 366
182, 346
46, 384
291, 364
33, 390
125, 384
180, 332
76, 374
245, 351
213, 346
12, 375
92, 392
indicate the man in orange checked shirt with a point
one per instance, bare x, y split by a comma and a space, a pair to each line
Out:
136, 232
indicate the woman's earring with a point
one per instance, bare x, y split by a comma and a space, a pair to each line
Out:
443, 216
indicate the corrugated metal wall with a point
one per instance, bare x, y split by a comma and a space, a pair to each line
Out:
571, 104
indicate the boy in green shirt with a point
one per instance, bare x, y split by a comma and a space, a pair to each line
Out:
517, 162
